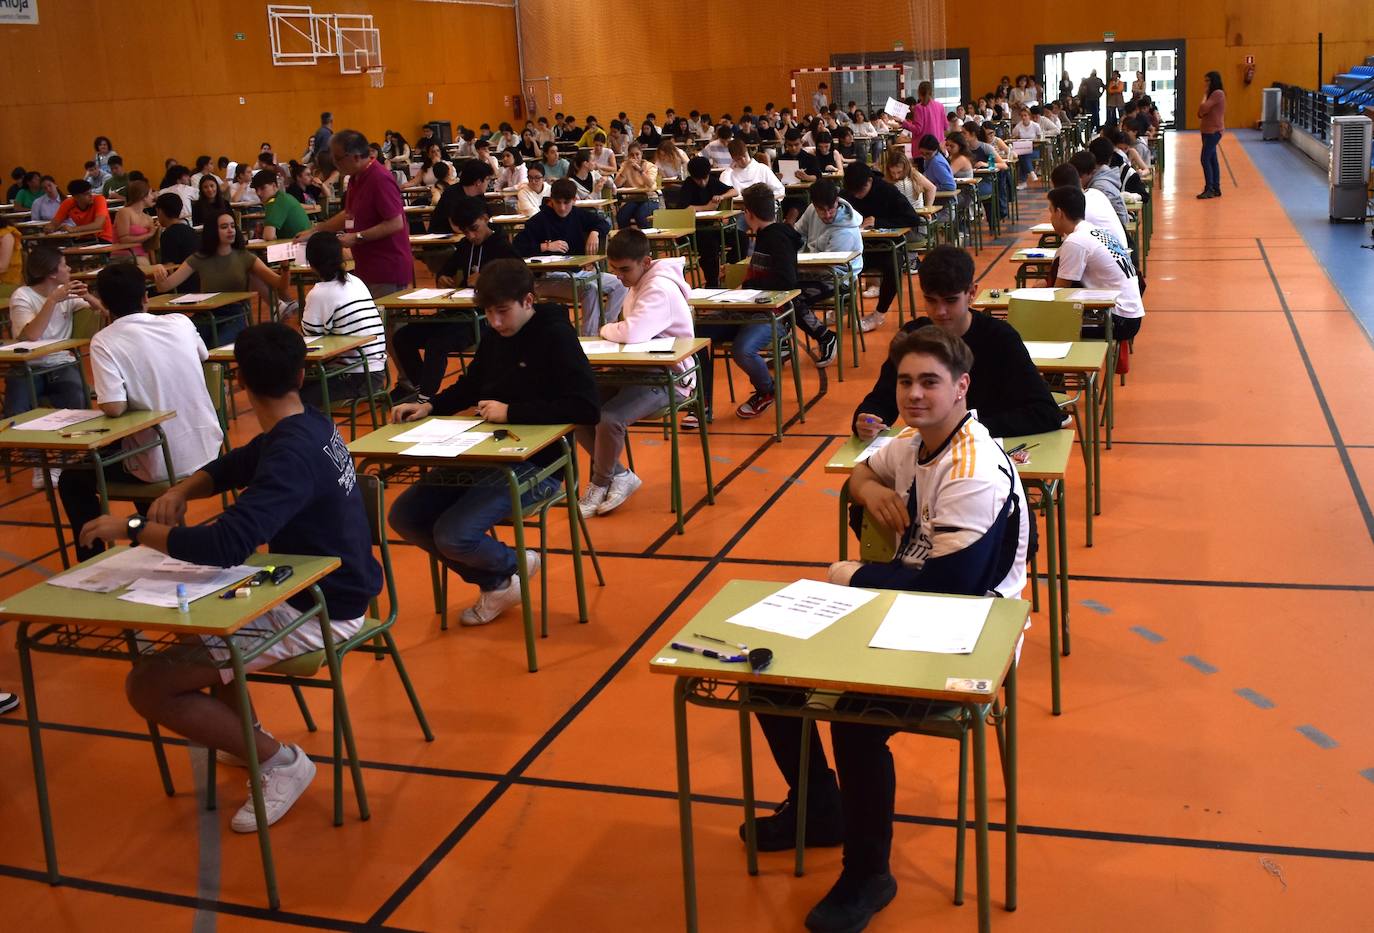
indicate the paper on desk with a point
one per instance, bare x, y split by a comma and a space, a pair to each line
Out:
803, 608
192, 298
419, 237
1032, 294
738, 294
436, 431
509, 218
538, 260
426, 294
649, 231
652, 345
875, 445
896, 108
161, 589
701, 294
464, 293
599, 347
57, 420
826, 257
936, 624
285, 252
1048, 350
28, 344
787, 168
449, 448
1094, 294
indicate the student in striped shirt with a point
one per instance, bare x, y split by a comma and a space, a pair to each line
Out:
341, 306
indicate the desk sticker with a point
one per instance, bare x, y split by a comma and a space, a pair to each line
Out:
665, 660
514, 450
967, 685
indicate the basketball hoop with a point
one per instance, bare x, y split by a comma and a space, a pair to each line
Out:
377, 76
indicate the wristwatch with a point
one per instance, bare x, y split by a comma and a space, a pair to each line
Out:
135, 527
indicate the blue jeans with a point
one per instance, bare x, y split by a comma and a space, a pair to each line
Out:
61, 385
229, 323
748, 341
640, 213
1211, 169
451, 522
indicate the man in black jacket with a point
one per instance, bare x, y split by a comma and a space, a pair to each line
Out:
1010, 396
808, 169
882, 206
529, 369
561, 229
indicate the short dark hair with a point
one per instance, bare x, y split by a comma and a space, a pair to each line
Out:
946, 270
1215, 78
466, 214
270, 359
324, 254
792, 135
41, 262
699, 167
1065, 174
90, 164
563, 189
628, 243
758, 200
265, 177
856, 174
474, 171
824, 137
1083, 162
928, 143
326, 117
78, 186
724, 133
1070, 200
351, 142
932, 341
504, 280
115, 160
169, 204
824, 193
121, 287
1102, 150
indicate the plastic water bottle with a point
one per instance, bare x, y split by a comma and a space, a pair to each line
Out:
183, 602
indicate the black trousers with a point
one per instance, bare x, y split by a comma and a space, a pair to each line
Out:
77, 489
422, 352
887, 284
343, 386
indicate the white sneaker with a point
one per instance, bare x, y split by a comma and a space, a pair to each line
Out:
8, 702
281, 787
234, 761
623, 485
53, 474
591, 500
871, 322
871, 291
491, 603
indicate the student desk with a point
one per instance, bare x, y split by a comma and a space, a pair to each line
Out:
162, 304
1047, 472
89, 275
79, 444
11, 359
601, 205
570, 265
720, 222
423, 241
510, 224
780, 315
100, 625
320, 352
99, 252
841, 679
1033, 264
657, 369
990, 174
419, 210
453, 308
1048, 238
893, 242
846, 298
492, 461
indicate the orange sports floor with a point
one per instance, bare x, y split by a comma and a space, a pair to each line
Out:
1213, 769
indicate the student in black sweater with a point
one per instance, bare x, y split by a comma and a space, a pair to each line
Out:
1010, 396
808, 169
529, 369
562, 229
298, 495
423, 348
703, 191
882, 206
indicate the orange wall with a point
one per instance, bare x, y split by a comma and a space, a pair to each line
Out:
748, 58
164, 79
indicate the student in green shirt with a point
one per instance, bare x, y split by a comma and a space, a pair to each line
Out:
29, 190
118, 182
284, 215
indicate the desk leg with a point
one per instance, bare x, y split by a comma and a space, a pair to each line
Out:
675, 452
1009, 777
574, 532
1062, 509
52, 506
40, 771
684, 803
980, 818
1092, 461
746, 756
1052, 490
269, 870
901, 299
796, 373
1097, 463
342, 722
777, 374
844, 520
518, 523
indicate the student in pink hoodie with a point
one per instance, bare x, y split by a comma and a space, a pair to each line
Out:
655, 306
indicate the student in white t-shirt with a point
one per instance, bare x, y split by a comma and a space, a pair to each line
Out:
340, 305
42, 309
1093, 258
1026, 129
143, 362
1097, 210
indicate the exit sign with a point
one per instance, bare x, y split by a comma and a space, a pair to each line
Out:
1109, 37
898, 46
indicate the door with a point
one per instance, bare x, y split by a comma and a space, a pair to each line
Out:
1161, 81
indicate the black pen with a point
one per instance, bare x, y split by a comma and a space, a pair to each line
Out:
708, 653
84, 433
720, 641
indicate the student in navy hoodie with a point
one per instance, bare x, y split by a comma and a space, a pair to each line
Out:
529, 369
298, 494
560, 229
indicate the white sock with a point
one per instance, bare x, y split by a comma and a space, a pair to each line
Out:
286, 755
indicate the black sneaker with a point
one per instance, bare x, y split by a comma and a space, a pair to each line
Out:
403, 392
755, 405
851, 903
8, 702
827, 348
778, 833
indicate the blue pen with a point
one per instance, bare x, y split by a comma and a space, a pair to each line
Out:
709, 653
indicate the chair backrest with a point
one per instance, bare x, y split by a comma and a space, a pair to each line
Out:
674, 219
214, 384
373, 490
1046, 320
85, 323
734, 274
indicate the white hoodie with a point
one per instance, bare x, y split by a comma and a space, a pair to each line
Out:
656, 307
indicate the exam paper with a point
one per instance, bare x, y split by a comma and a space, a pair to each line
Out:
1047, 350
653, 345
738, 294
449, 448
875, 445
1033, 294
285, 252
436, 431
29, 344
509, 218
1094, 294
420, 237
469, 293
192, 298
787, 168
826, 257
896, 108
426, 294
600, 347
57, 420
803, 608
701, 294
936, 624
539, 260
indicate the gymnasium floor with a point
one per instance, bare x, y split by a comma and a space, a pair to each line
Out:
1213, 769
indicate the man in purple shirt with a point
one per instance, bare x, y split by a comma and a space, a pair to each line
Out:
372, 223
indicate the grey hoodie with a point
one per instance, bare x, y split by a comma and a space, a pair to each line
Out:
841, 235
1108, 181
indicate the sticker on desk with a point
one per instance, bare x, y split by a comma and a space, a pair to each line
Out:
665, 660
513, 450
967, 685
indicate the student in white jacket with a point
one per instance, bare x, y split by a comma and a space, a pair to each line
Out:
655, 306
745, 172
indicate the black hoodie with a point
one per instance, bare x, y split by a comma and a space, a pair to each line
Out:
773, 267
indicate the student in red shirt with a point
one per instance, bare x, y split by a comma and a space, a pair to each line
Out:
86, 212
372, 223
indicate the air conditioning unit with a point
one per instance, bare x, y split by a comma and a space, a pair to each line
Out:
1349, 175
1271, 104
